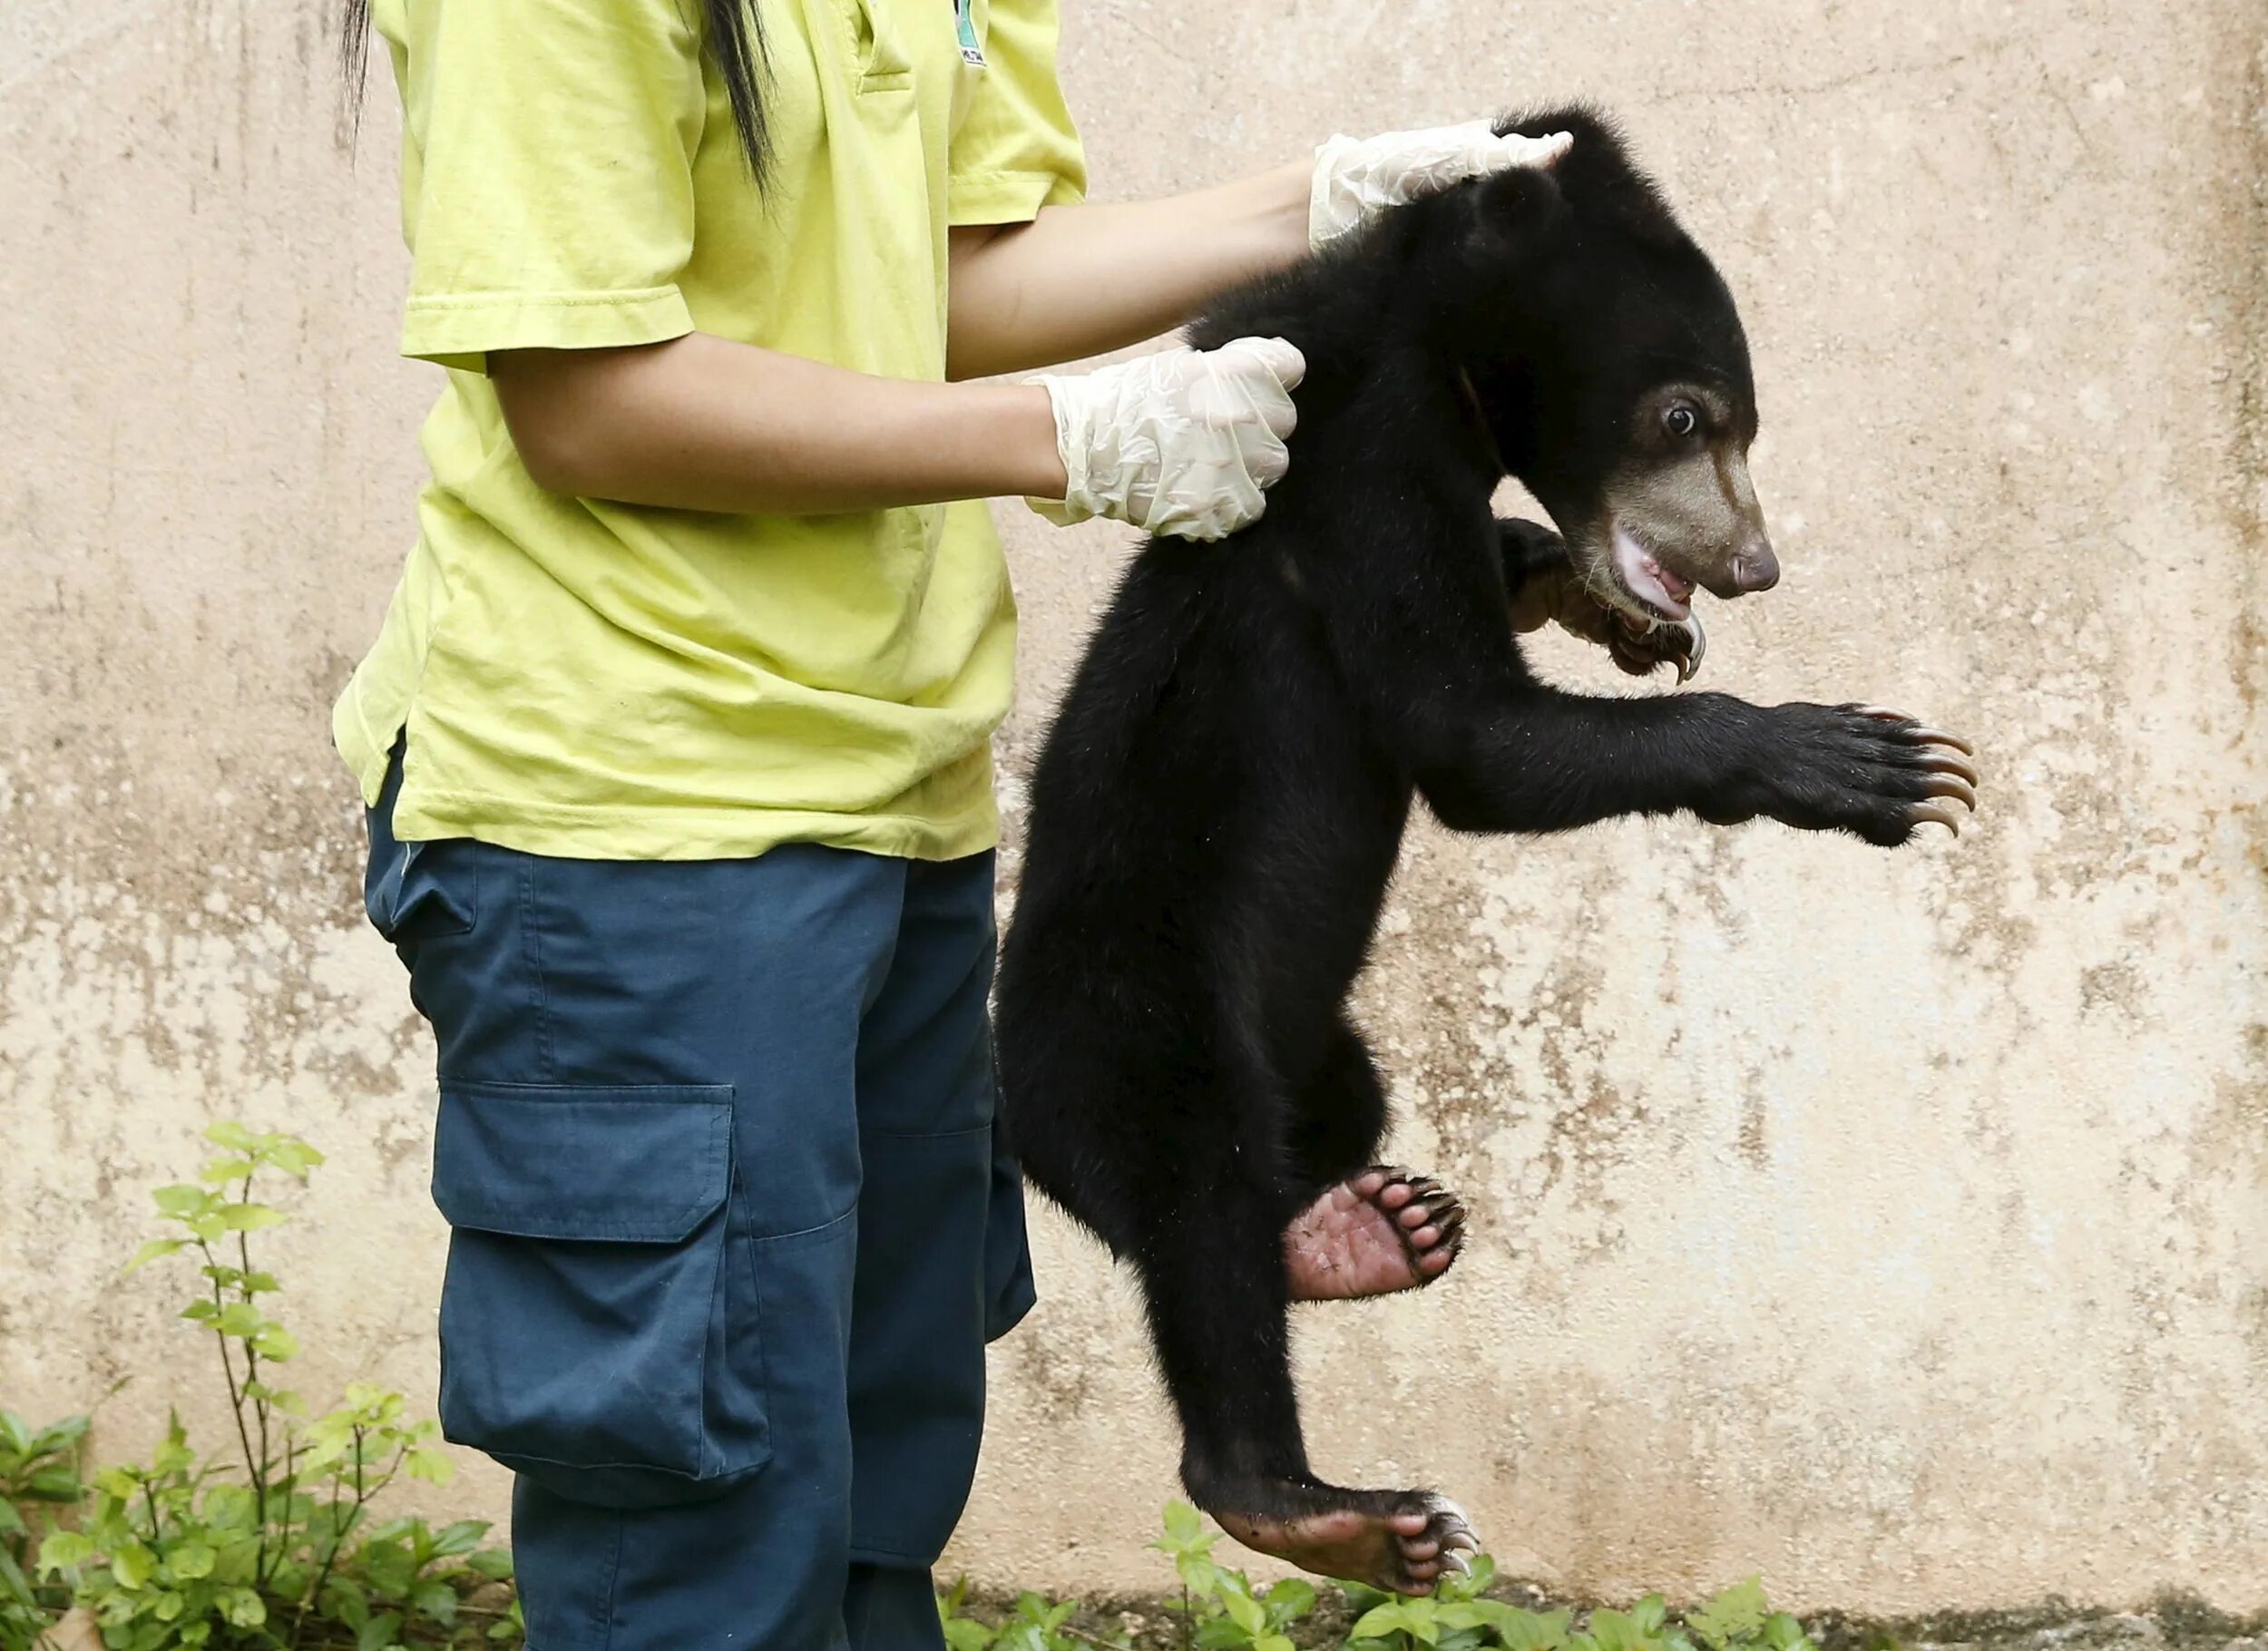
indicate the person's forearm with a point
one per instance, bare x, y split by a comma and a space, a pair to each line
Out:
701, 423
1079, 280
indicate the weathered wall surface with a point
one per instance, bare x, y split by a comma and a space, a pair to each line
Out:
1893, 1224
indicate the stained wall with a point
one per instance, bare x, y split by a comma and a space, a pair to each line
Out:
1893, 1224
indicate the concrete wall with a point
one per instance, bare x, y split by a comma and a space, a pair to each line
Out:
1893, 1224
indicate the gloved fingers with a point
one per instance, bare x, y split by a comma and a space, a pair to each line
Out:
1474, 152
1181, 442
1249, 380
1279, 358
1513, 150
1208, 501
1266, 459
1355, 181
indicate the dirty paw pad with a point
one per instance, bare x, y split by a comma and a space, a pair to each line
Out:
1376, 1233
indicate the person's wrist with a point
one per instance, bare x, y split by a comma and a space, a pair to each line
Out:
1022, 436
1288, 196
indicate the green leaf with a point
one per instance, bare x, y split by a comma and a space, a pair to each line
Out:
493, 1563
1636, 1629
229, 1508
54, 1483
344, 1601
1360, 1596
966, 1634
250, 1217
274, 1343
1523, 1630
182, 1202
238, 1561
1736, 1613
1782, 1632
154, 1250
1198, 1574
64, 1550
1184, 1524
460, 1537
189, 1561
240, 1319
168, 1606
434, 1467
235, 1136
220, 1172
293, 1155
242, 1607
196, 1634
202, 1313
1245, 1611
437, 1600
1290, 1600
133, 1565
1380, 1622
61, 1436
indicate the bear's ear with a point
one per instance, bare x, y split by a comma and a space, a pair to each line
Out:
1512, 217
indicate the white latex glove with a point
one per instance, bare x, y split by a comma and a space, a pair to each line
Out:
1182, 442
1358, 178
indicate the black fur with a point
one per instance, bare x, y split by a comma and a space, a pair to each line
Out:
1222, 798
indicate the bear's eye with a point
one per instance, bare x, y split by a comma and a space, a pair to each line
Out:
1681, 421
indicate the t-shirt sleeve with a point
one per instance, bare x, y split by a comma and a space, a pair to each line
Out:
551, 203
1016, 150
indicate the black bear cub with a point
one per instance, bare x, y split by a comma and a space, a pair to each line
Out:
1220, 802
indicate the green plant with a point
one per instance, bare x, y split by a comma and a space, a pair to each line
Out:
1220, 1608
39, 1471
274, 1547
1456, 1616
1032, 1624
1460, 1617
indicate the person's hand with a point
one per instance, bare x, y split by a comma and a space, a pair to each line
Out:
1355, 179
1182, 442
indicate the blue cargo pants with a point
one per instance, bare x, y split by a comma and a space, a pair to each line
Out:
729, 1230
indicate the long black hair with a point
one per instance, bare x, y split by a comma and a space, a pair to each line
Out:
736, 40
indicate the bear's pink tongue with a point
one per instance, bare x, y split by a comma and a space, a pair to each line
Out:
1647, 579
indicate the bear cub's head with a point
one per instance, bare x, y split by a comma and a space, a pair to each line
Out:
1608, 360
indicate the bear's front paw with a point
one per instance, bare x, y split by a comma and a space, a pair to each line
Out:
1876, 773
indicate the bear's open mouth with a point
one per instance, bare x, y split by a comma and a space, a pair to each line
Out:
1646, 581
1649, 608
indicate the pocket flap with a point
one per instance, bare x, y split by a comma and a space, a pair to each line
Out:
640, 1164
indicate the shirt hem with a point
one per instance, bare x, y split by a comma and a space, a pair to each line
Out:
458, 330
570, 832
976, 199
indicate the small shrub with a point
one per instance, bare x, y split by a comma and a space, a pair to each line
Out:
1222, 1609
273, 1545
39, 1473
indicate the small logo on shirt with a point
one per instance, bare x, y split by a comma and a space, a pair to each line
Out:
972, 48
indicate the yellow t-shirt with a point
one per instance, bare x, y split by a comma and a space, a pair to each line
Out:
607, 682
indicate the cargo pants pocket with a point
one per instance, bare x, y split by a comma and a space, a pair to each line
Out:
594, 1336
